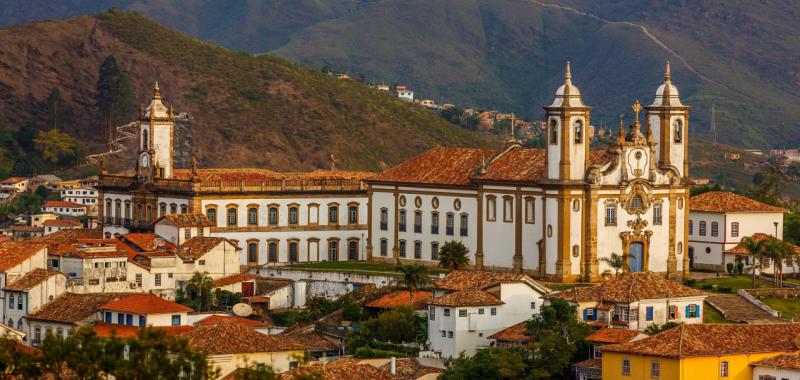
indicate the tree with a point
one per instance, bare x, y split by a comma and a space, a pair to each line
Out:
791, 227
58, 147
55, 109
413, 277
453, 255
655, 328
616, 262
490, 363
755, 248
197, 294
114, 93
41, 192
559, 337
780, 252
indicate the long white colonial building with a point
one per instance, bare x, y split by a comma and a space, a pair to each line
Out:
553, 212
274, 217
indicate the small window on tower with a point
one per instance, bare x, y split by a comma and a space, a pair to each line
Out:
578, 132
553, 132
677, 131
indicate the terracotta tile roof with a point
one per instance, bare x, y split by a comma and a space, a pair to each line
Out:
31, 279
715, 339
187, 220
13, 253
69, 236
226, 337
229, 174
438, 166
401, 298
340, 369
461, 279
723, 201
62, 204
13, 180
740, 249
630, 287
107, 330
214, 319
469, 297
26, 228
791, 361
516, 164
147, 241
233, 279
61, 223
590, 363
515, 333
611, 335
198, 246
332, 174
145, 304
73, 308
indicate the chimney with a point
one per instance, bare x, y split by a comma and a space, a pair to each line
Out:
393, 367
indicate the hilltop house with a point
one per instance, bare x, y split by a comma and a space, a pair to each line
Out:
719, 220
635, 301
467, 307
14, 184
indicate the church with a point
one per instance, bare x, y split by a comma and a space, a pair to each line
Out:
557, 213
274, 217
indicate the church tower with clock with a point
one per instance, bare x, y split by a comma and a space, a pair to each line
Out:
156, 127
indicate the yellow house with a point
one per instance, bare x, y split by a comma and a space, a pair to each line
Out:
700, 351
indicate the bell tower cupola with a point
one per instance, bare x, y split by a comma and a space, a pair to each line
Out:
156, 128
567, 121
668, 119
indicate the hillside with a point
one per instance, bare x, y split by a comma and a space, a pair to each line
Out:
742, 56
248, 111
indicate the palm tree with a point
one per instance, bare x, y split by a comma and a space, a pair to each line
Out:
453, 255
616, 262
755, 248
779, 251
413, 277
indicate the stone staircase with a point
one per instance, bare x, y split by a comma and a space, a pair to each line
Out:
738, 309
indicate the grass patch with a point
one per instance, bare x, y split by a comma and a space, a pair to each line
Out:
789, 308
356, 267
712, 315
730, 284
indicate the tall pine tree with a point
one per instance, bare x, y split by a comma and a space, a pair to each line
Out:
114, 93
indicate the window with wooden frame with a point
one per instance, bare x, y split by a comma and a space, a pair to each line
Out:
530, 210
211, 214
333, 213
184, 209
231, 215
252, 215
714, 229
553, 132
508, 208
352, 213
272, 214
272, 250
384, 219
173, 208
294, 214
491, 208
735, 229
657, 218
162, 209
313, 213
252, 252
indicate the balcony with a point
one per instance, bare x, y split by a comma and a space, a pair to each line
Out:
449, 231
402, 227
418, 228
435, 229
384, 226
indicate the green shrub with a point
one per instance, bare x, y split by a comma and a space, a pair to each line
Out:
706, 286
729, 267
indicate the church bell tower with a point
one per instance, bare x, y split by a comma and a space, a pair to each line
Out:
669, 120
567, 143
156, 128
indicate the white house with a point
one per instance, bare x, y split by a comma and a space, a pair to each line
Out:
85, 196
554, 212
19, 258
406, 94
95, 266
55, 225
468, 307
30, 293
14, 184
719, 220
144, 310
65, 208
635, 301
65, 313
781, 367
274, 217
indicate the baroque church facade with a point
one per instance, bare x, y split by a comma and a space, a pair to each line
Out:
555, 212
274, 217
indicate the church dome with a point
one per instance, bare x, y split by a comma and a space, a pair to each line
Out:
156, 108
667, 94
568, 95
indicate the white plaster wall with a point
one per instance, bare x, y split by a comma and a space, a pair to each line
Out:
552, 240
716, 244
778, 373
499, 234
162, 137
382, 198
531, 234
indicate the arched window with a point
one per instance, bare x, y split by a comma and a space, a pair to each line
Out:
402, 222
19, 324
418, 221
464, 225
352, 214
333, 250
402, 248
703, 228
117, 212
677, 131
149, 213
418, 249
553, 132
578, 131
184, 209
352, 250
162, 209
723, 369
530, 210
333, 214
384, 247
450, 224
252, 216
252, 253
384, 219
211, 213
435, 222
272, 252
173, 208
714, 229
145, 139
231, 216
434, 251
293, 252
108, 210
735, 229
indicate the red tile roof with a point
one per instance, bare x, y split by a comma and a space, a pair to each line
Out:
61, 223
73, 308
401, 298
198, 246
438, 166
340, 369
12, 253
148, 241
469, 297
740, 248
236, 278
145, 304
227, 337
461, 279
630, 287
108, 330
515, 333
229, 174
611, 335
590, 363
13, 180
723, 201
187, 220
214, 319
31, 279
62, 204
790, 361
714, 339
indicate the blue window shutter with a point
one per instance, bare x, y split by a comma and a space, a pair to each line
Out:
585, 314
649, 313
688, 308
